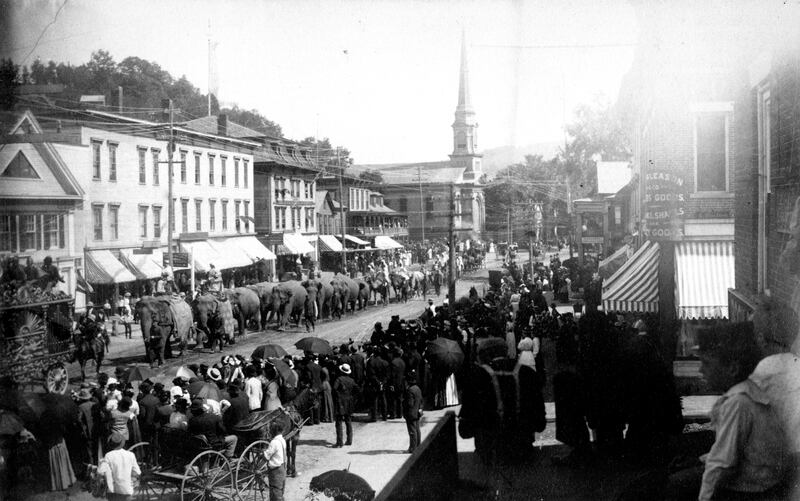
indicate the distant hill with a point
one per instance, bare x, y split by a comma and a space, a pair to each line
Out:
495, 159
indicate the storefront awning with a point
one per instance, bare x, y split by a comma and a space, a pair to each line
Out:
355, 240
251, 247
144, 266
704, 271
612, 263
203, 254
329, 243
383, 242
634, 286
103, 268
294, 245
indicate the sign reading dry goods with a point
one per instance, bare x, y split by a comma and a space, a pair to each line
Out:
665, 197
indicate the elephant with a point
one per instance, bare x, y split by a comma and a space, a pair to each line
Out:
264, 291
288, 300
214, 316
346, 291
312, 288
325, 300
400, 284
246, 307
419, 282
378, 284
162, 319
362, 298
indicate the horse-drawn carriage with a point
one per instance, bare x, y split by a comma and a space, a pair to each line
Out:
36, 341
185, 466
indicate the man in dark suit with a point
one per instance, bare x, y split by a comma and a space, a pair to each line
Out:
210, 425
412, 410
357, 365
148, 406
314, 372
394, 392
377, 376
239, 408
344, 393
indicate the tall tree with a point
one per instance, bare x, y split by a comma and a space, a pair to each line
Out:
254, 120
9, 81
326, 153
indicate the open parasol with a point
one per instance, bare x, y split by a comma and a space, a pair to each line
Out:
445, 355
314, 345
209, 390
269, 351
137, 373
341, 484
282, 367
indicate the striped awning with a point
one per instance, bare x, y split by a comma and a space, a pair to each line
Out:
384, 242
293, 245
329, 243
250, 246
144, 266
634, 286
704, 271
612, 263
203, 254
103, 268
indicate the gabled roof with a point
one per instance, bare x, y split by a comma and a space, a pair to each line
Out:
48, 159
321, 199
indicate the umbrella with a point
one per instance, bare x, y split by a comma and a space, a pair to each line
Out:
282, 367
209, 390
336, 483
445, 354
137, 373
314, 345
269, 351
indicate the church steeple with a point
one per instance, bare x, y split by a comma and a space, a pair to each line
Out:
465, 126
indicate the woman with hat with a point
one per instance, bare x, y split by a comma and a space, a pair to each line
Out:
118, 466
345, 392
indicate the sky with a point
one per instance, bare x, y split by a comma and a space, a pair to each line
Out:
378, 77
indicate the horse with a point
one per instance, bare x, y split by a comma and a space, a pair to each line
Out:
400, 284
91, 341
419, 282
378, 285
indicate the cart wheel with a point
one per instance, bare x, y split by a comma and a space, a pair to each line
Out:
208, 477
56, 379
251, 473
144, 487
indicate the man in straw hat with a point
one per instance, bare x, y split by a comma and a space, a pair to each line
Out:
118, 466
210, 425
345, 392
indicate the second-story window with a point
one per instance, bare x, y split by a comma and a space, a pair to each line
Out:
223, 168
247, 215
197, 168
224, 208
156, 222
212, 216
235, 172
280, 218
211, 170
143, 221
156, 167
96, 160
184, 216
113, 221
711, 132
198, 215
112, 162
97, 221
236, 213
245, 171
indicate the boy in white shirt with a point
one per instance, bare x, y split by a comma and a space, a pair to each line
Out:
276, 462
119, 466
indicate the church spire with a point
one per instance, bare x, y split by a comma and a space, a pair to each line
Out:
464, 100
465, 127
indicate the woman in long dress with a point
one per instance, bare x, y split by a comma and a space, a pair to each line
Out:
326, 411
59, 418
272, 399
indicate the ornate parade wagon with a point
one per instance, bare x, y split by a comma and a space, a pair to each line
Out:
36, 341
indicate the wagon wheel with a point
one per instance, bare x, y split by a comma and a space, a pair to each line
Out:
208, 477
56, 379
144, 487
251, 473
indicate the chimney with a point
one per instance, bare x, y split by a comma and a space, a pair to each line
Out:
222, 124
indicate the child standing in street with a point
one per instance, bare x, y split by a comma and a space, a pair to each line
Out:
276, 462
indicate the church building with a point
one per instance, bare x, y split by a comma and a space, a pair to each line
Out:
428, 193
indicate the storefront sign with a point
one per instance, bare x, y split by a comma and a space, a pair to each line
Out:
179, 259
665, 197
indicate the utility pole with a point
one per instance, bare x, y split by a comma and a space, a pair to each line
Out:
341, 212
451, 289
421, 209
170, 215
